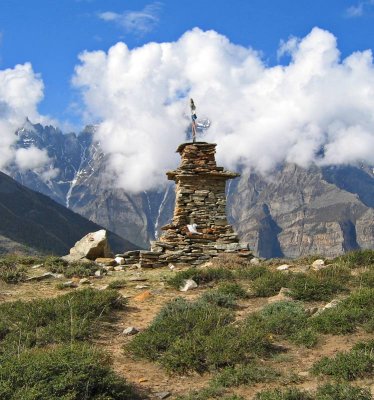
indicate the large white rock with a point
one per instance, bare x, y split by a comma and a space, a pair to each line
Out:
318, 264
92, 246
189, 284
283, 267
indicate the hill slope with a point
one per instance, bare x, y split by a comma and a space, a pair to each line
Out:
33, 220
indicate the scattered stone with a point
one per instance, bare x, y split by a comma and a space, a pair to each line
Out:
138, 279
283, 295
189, 284
162, 395
119, 268
120, 260
141, 380
107, 261
92, 246
41, 277
333, 303
143, 296
141, 286
303, 374
98, 273
283, 267
37, 266
171, 267
84, 281
104, 287
254, 261
69, 284
318, 264
130, 331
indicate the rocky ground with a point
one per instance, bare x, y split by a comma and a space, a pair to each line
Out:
147, 292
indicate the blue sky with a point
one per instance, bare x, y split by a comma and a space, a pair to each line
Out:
51, 33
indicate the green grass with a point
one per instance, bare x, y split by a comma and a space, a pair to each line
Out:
356, 310
356, 259
198, 336
117, 284
351, 365
77, 269
342, 391
68, 372
13, 267
285, 394
64, 319
200, 276
269, 283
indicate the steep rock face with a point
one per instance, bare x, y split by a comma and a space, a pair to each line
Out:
297, 212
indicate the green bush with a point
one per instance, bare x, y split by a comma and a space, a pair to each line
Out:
356, 259
210, 392
79, 268
286, 394
314, 287
357, 363
197, 336
200, 276
232, 288
117, 284
252, 272
63, 319
12, 273
62, 373
244, 375
366, 279
270, 283
217, 298
342, 391
284, 317
306, 337
355, 310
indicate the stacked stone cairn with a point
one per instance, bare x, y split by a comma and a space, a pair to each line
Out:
200, 200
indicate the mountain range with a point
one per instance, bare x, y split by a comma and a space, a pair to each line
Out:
291, 213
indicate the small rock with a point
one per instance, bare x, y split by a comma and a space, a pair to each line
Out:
189, 284
332, 304
318, 264
163, 395
141, 286
37, 266
141, 380
106, 261
108, 268
98, 273
138, 279
130, 331
303, 374
171, 267
41, 277
84, 281
283, 295
120, 260
283, 267
69, 284
119, 268
254, 261
59, 276
104, 287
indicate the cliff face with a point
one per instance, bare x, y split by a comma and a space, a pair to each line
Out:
292, 213
298, 212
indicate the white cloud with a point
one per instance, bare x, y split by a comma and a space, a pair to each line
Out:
138, 22
31, 158
317, 109
359, 9
21, 89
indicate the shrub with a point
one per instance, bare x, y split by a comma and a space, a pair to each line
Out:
210, 392
200, 276
78, 268
357, 309
12, 273
287, 394
306, 337
63, 319
117, 284
215, 297
314, 287
244, 375
63, 373
357, 363
366, 279
252, 272
284, 317
270, 283
342, 391
234, 289
196, 336
355, 259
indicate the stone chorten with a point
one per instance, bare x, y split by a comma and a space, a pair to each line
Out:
200, 200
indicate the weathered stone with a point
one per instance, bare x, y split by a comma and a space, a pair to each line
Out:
130, 331
189, 284
120, 260
91, 246
318, 264
41, 277
283, 267
254, 261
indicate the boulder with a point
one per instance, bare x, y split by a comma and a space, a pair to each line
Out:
92, 246
189, 284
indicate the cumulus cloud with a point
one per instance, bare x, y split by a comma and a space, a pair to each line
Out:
138, 22
21, 89
318, 108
